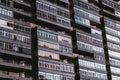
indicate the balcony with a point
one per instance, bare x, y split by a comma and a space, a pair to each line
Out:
4, 76
15, 54
55, 47
21, 11
65, 1
113, 24
92, 17
112, 14
56, 65
115, 70
6, 3
57, 41
15, 65
92, 75
54, 36
88, 7
81, 46
18, 25
90, 63
89, 39
43, 76
96, 34
50, 52
53, 14
23, 2
111, 4
64, 39
82, 22
115, 62
6, 12
88, 42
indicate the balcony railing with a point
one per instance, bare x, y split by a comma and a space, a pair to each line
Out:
87, 15
53, 13
22, 2
86, 6
89, 48
23, 66
89, 39
5, 76
66, 1
111, 4
56, 65
23, 12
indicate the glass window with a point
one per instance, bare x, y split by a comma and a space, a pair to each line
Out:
47, 35
42, 75
49, 76
56, 77
0, 10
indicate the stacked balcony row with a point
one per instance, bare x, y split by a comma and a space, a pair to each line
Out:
54, 51
14, 42
53, 12
112, 35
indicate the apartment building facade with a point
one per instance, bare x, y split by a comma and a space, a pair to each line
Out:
59, 39
88, 41
111, 21
15, 41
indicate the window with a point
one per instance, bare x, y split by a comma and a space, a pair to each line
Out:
93, 74
89, 39
113, 38
64, 39
56, 77
92, 65
114, 62
15, 48
88, 7
56, 67
42, 75
87, 73
48, 54
1, 33
5, 2
111, 31
65, 49
8, 46
110, 3
63, 12
63, 21
51, 76
115, 77
110, 23
53, 18
47, 44
99, 58
115, 70
113, 46
96, 32
91, 48
47, 35
14, 36
114, 54
82, 20
86, 14
6, 12
19, 27
51, 8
